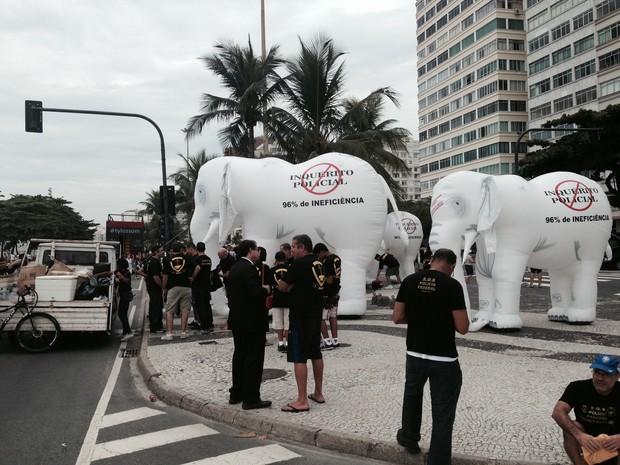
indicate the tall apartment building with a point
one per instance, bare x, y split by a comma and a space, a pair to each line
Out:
472, 86
573, 59
410, 182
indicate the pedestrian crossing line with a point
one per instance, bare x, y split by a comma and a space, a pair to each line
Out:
146, 441
129, 415
264, 455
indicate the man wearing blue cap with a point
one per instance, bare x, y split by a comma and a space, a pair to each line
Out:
596, 405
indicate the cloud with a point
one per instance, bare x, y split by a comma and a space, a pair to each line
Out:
142, 57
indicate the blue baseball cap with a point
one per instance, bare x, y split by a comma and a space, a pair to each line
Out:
606, 363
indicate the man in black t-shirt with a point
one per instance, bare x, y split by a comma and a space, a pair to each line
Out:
280, 304
154, 287
304, 280
331, 265
201, 289
178, 273
432, 305
392, 268
596, 405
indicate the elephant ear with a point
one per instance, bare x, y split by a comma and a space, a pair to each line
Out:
228, 212
490, 208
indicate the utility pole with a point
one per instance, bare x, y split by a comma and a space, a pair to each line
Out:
264, 50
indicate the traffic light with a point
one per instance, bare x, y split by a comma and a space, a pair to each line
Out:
34, 116
171, 200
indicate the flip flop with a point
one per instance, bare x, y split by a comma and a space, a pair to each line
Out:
290, 409
311, 397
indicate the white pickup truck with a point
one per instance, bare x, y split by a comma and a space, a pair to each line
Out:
56, 286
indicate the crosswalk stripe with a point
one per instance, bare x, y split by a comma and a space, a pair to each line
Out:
129, 415
106, 450
256, 456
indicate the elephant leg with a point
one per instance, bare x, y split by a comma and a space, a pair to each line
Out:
560, 293
352, 288
582, 308
507, 300
486, 302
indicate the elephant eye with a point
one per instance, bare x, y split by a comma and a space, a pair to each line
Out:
200, 194
459, 206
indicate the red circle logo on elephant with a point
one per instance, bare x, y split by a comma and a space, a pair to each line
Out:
321, 179
409, 225
575, 195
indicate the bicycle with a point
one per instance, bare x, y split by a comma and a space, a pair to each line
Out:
35, 331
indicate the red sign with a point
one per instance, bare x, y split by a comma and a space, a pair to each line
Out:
575, 195
409, 225
321, 179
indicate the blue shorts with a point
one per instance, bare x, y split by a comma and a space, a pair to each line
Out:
304, 340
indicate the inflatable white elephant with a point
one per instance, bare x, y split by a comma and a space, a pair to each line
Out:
392, 243
336, 199
559, 221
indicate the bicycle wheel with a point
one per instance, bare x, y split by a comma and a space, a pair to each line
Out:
37, 332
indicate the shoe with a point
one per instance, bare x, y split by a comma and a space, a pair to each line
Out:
183, 335
208, 329
411, 446
256, 405
530, 285
290, 409
127, 336
234, 400
194, 325
325, 346
282, 348
335, 344
388, 287
167, 337
539, 286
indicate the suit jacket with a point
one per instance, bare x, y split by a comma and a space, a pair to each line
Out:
246, 299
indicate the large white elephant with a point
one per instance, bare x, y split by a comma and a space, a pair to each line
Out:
392, 243
559, 221
336, 199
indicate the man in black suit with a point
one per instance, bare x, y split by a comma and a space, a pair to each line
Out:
248, 319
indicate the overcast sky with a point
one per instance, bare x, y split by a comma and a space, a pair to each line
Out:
140, 56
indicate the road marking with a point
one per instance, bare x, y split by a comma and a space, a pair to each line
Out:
146, 441
88, 446
129, 415
256, 456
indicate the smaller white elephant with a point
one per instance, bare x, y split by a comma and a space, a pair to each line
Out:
559, 221
405, 252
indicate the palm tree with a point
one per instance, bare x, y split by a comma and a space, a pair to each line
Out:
319, 120
252, 81
185, 179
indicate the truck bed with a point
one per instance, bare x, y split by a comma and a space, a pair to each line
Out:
75, 315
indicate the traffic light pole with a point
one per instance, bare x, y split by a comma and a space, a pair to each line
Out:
112, 113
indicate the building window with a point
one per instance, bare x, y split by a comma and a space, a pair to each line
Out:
518, 105
540, 87
561, 55
538, 20
516, 65
540, 111
585, 69
584, 44
470, 155
609, 33
444, 163
456, 122
518, 126
538, 42
518, 45
582, 19
457, 159
560, 31
609, 59
433, 166
517, 86
562, 79
469, 117
585, 96
606, 7
539, 65
467, 41
563, 103
610, 87
467, 22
